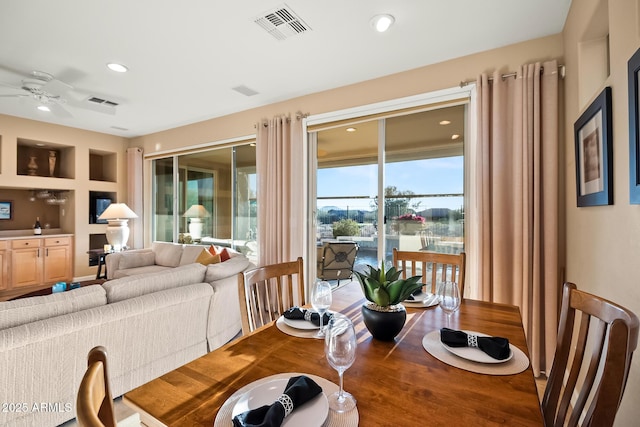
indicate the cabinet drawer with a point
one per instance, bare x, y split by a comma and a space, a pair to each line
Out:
57, 241
25, 243
3, 245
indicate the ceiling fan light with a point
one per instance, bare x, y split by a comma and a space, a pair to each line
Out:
382, 22
43, 108
118, 68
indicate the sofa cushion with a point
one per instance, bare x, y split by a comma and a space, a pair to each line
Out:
135, 286
147, 269
190, 253
233, 266
133, 260
27, 310
167, 254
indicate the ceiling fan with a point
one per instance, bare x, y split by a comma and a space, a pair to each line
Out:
50, 94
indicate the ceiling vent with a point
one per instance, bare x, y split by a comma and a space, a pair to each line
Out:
101, 101
282, 22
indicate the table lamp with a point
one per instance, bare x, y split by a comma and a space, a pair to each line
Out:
196, 213
117, 216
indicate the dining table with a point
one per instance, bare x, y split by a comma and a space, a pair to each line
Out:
395, 383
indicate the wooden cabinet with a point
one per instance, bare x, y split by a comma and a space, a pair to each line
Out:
35, 263
4, 280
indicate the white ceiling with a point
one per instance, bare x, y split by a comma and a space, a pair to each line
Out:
185, 57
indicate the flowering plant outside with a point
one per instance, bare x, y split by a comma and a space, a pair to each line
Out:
411, 217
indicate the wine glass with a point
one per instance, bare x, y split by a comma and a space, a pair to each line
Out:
340, 349
449, 295
321, 301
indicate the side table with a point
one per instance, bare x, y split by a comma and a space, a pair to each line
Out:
101, 255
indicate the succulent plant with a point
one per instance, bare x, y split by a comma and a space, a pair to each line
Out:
385, 287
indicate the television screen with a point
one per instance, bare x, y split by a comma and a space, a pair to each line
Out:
101, 205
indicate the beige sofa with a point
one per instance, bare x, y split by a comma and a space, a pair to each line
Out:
150, 325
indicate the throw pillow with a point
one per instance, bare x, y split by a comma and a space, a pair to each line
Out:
205, 258
213, 250
224, 255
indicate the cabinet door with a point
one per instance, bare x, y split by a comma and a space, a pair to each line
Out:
4, 280
56, 264
26, 267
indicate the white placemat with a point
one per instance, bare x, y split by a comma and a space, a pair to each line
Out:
347, 419
518, 363
300, 333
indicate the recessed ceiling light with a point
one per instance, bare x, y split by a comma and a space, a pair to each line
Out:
118, 68
455, 136
351, 129
382, 22
40, 144
43, 108
445, 122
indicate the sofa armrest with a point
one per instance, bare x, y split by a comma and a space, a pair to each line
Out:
112, 261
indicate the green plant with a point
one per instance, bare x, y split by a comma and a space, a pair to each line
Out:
345, 227
386, 288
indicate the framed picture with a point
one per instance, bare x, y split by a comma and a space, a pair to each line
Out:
6, 209
634, 132
594, 156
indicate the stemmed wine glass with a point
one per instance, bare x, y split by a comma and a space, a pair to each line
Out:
321, 301
449, 295
340, 349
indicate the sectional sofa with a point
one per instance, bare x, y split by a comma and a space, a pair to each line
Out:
150, 323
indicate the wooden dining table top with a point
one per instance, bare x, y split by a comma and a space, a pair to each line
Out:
395, 383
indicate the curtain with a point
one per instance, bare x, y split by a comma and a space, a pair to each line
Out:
517, 184
134, 196
281, 223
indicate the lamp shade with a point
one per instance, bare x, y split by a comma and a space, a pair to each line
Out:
197, 211
118, 211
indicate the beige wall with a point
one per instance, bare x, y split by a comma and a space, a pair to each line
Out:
603, 243
73, 216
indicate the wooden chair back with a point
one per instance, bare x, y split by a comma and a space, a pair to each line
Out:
267, 292
94, 405
604, 336
433, 266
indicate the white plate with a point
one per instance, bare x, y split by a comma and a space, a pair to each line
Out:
475, 354
301, 324
422, 300
313, 413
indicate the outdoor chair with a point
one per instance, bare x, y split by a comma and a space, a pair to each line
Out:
336, 260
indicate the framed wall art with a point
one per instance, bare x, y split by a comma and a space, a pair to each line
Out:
594, 156
634, 132
6, 209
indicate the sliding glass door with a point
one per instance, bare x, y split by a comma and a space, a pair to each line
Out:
392, 182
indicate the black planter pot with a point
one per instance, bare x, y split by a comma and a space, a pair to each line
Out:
384, 325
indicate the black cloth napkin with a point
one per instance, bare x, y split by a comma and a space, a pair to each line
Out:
297, 313
496, 347
299, 390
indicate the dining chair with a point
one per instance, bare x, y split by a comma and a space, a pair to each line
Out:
433, 266
267, 292
596, 340
94, 405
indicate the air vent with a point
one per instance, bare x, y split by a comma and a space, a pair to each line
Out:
246, 91
101, 101
282, 22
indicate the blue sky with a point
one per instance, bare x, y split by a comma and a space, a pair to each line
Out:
426, 176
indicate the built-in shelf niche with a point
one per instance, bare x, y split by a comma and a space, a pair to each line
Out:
98, 202
38, 158
102, 166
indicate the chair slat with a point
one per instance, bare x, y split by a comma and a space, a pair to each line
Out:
444, 267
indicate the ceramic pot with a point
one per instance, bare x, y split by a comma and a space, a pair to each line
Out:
384, 323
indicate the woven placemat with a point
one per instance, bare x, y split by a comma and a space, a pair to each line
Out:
334, 419
518, 363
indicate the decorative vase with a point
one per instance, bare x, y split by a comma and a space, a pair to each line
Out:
384, 323
33, 166
52, 162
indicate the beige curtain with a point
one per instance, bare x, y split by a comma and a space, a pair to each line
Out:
517, 185
280, 163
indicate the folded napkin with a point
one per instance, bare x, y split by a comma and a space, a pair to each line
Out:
496, 347
297, 313
299, 390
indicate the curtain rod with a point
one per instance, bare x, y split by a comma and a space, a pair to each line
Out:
299, 116
561, 71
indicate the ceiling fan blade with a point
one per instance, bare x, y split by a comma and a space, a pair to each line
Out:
59, 111
56, 87
15, 95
